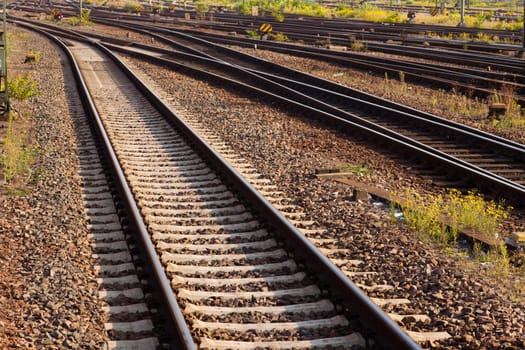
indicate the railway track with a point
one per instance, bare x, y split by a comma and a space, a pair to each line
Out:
478, 82
338, 31
121, 287
244, 275
311, 29
124, 293
463, 153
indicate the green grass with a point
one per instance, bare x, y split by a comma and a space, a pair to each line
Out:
370, 13
358, 46
356, 169
278, 37
23, 87
252, 33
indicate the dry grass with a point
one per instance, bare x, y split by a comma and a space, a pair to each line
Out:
17, 156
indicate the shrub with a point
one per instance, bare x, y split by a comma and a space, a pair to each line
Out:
22, 88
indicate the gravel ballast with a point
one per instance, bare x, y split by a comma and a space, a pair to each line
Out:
48, 290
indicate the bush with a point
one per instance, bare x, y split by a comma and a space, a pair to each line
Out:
23, 87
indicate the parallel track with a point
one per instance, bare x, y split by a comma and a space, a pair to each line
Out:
370, 31
492, 163
478, 82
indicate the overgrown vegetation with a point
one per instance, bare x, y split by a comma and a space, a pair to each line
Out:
350, 168
441, 218
16, 158
85, 16
32, 56
252, 33
278, 37
514, 116
279, 8
358, 46
133, 7
18, 153
369, 13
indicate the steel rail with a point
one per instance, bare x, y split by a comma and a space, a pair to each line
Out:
309, 32
285, 47
445, 77
486, 180
373, 31
351, 23
388, 332
171, 309
481, 83
496, 62
342, 25
505, 145
365, 99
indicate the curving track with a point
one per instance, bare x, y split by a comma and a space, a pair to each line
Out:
467, 154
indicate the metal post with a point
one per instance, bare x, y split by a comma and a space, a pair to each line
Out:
80, 22
462, 21
4, 96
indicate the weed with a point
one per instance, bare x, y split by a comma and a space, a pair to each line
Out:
278, 15
356, 169
425, 218
85, 16
32, 56
17, 156
358, 46
23, 87
278, 37
473, 211
404, 87
393, 208
73, 21
243, 9
485, 38
517, 293
514, 117
495, 259
459, 211
37, 175
455, 252
132, 7
369, 13
252, 33
18, 192
201, 7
